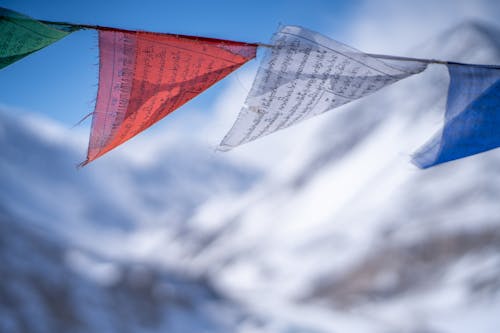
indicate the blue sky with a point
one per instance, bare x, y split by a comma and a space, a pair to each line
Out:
60, 81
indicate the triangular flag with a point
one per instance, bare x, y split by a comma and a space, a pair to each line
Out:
20, 35
472, 118
145, 76
305, 74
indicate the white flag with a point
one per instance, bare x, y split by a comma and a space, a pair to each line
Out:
305, 74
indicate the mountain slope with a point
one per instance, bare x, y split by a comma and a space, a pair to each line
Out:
48, 286
357, 228
344, 234
63, 233
38, 167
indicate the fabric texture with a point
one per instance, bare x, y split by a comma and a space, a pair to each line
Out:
20, 36
306, 74
472, 117
145, 76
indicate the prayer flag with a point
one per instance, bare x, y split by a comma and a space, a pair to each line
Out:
144, 76
20, 35
472, 117
305, 74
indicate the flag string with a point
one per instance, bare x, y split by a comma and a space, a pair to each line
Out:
182, 70
374, 55
428, 61
99, 27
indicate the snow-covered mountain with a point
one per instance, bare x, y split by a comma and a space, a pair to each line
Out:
342, 235
58, 225
52, 286
38, 168
357, 230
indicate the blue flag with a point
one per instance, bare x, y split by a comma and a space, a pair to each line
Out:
472, 118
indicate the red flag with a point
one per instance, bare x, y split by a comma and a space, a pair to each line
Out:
144, 76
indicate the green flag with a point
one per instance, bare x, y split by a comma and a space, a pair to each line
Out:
20, 35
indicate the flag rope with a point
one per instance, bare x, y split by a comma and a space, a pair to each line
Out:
99, 27
378, 56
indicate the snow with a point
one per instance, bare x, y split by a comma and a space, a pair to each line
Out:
104, 273
323, 227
